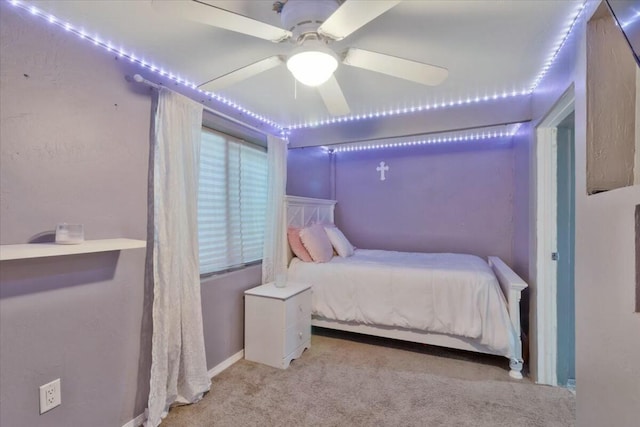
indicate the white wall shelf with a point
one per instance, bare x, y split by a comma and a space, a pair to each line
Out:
39, 250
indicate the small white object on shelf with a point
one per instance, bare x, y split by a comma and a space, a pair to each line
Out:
39, 250
69, 234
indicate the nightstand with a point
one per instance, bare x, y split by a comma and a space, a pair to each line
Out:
277, 325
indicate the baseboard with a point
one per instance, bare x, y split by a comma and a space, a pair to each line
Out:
137, 421
225, 364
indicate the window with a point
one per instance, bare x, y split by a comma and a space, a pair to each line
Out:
232, 200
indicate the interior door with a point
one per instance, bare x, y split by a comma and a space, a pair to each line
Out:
565, 254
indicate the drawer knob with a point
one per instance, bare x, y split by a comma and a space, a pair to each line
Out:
300, 335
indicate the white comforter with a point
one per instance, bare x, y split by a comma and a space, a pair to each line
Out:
452, 294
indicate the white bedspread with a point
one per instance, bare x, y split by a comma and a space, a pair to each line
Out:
452, 294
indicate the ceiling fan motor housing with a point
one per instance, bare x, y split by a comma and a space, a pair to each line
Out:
303, 16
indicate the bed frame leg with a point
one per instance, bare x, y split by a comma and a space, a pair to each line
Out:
516, 369
512, 286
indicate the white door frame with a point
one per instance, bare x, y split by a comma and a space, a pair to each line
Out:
547, 238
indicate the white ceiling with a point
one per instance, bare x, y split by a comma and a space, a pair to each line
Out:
488, 46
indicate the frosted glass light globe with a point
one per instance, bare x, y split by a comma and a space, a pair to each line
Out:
312, 64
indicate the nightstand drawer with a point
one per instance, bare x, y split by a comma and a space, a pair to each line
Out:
298, 308
297, 335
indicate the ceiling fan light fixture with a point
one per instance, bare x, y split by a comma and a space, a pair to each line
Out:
312, 64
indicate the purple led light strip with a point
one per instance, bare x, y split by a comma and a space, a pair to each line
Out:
443, 137
409, 110
285, 130
469, 100
133, 58
558, 48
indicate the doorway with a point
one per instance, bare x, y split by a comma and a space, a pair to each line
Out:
554, 314
565, 291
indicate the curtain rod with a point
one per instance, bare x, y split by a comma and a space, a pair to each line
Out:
139, 79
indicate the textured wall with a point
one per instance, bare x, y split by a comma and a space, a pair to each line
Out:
74, 141
439, 198
607, 329
611, 75
74, 147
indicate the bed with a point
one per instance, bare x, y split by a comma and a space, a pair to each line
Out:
449, 300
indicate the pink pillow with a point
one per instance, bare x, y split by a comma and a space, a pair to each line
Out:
315, 239
298, 249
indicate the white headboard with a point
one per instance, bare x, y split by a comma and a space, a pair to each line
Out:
305, 211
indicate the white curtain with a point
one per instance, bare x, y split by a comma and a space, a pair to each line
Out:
178, 366
274, 256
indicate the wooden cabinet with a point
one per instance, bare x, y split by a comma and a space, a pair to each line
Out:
277, 325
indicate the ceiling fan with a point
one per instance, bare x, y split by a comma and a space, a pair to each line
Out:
312, 25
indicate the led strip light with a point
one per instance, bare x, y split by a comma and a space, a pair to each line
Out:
558, 47
285, 130
408, 110
469, 100
492, 132
122, 53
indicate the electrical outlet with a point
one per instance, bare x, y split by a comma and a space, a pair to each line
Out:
50, 396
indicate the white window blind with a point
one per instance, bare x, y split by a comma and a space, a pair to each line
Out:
232, 200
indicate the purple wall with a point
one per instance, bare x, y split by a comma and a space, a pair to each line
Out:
309, 173
75, 144
439, 198
523, 203
223, 312
522, 200
74, 147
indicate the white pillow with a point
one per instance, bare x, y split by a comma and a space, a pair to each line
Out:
340, 243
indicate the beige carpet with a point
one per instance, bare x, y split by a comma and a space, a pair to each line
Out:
350, 380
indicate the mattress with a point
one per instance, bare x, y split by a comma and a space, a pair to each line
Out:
453, 294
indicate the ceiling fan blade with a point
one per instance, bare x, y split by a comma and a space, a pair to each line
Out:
333, 97
205, 13
401, 68
353, 15
240, 74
